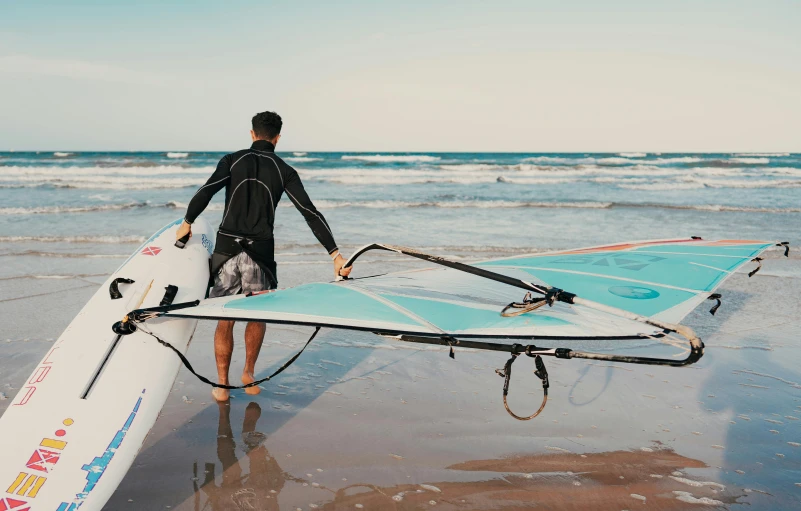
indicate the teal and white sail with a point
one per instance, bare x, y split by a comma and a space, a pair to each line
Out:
662, 280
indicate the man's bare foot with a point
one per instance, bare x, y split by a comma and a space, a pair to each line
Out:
248, 378
220, 394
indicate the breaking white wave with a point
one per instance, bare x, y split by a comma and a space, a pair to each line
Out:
301, 159
614, 161
299, 153
633, 155
177, 155
678, 159
59, 154
556, 159
391, 158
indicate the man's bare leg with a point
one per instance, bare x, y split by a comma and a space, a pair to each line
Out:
254, 337
223, 349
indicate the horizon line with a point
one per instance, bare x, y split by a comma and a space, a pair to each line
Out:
75, 151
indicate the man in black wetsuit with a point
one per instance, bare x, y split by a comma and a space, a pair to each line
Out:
254, 180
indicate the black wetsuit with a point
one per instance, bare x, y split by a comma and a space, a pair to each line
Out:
254, 180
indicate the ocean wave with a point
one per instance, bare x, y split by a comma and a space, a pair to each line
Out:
523, 169
400, 179
75, 239
555, 159
59, 154
507, 204
63, 255
677, 159
480, 173
477, 167
784, 183
48, 210
620, 159
301, 159
705, 207
533, 180
177, 155
769, 155
481, 204
52, 210
391, 158
691, 183
664, 186
299, 153
750, 161
615, 161
655, 179
781, 171
134, 169
730, 171
402, 204
99, 182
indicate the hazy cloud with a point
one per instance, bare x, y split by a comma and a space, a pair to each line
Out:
78, 69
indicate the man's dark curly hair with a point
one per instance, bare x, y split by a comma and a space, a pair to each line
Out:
267, 125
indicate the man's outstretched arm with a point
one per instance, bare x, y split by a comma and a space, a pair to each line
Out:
201, 199
297, 194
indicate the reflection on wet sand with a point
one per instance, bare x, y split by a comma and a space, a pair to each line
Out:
256, 489
602, 481
561, 480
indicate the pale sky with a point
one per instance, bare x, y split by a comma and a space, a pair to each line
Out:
530, 76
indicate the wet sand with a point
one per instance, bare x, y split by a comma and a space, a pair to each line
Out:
361, 422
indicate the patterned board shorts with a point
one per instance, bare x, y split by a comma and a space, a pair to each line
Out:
240, 274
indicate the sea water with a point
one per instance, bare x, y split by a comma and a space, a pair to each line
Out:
91, 202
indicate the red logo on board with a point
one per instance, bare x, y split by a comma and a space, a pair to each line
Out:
151, 251
43, 460
10, 504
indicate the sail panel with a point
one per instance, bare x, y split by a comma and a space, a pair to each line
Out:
324, 300
660, 279
465, 316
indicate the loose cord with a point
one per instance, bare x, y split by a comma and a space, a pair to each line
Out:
202, 378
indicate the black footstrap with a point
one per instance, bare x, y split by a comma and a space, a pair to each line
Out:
114, 289
753, 272
202, 378
716, 297
541, 373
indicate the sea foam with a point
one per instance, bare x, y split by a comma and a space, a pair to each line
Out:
391, 158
